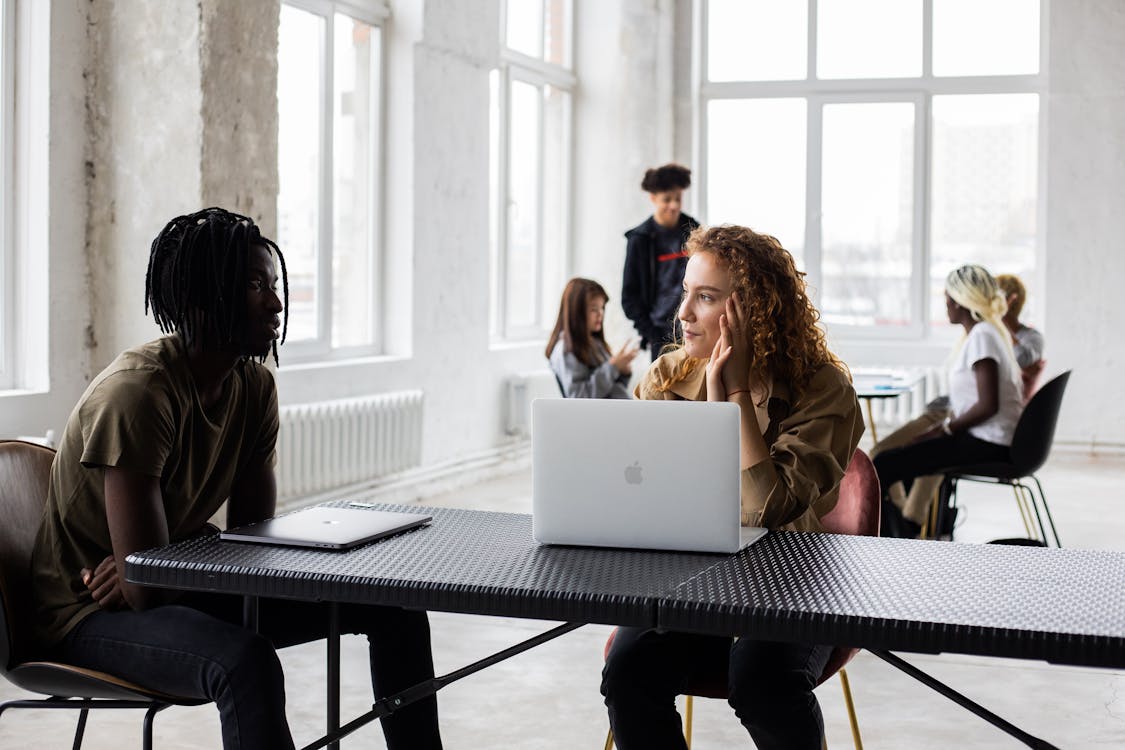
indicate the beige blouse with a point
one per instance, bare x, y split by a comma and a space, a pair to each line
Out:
811, 436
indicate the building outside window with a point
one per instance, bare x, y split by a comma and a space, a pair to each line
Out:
330, 103
532, 91
882, 155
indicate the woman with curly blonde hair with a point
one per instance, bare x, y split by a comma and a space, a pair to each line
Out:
750, 336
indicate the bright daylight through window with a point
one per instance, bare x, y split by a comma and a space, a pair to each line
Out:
329, 103
7, 247
530, 178
880, 168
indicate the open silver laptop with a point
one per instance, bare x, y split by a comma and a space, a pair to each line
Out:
327, 527
645, 474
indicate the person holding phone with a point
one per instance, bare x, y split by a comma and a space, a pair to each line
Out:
577, 350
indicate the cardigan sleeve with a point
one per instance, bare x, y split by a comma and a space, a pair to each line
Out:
809, 455
580, 381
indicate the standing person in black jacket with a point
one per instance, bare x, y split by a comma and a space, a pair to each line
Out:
655, 258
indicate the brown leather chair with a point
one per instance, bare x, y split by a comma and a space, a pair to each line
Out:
25, 470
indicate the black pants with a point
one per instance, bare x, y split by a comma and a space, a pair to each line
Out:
769, 685
199, 649
933, 456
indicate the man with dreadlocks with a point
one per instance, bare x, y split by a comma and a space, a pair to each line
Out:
159, 440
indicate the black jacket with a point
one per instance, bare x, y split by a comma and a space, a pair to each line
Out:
638, 285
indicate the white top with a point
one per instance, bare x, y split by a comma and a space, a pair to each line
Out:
984, 342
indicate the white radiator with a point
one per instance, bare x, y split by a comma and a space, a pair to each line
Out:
521, 389
331, 444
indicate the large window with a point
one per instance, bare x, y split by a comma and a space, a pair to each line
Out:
329, 96
531, 167
7, 168
884, 142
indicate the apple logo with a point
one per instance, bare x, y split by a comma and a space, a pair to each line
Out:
633, 473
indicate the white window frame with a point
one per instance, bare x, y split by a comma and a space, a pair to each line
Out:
920, 90
374, 13
518, 67
7, 193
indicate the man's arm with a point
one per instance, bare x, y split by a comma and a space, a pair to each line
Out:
253, 497
134, 509
632, 298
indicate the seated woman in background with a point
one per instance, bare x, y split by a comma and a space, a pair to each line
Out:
577, 351
985, 400
1027, 343
750, 337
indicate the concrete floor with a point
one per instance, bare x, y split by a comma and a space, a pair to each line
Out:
548, 697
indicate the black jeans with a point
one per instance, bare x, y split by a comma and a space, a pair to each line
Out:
933, 456
769, 685
198, 648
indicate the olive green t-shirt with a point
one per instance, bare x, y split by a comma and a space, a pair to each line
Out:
143, 413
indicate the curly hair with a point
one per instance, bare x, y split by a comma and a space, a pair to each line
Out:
668, 177
782, 331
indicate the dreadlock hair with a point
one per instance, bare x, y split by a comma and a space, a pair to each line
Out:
196, 278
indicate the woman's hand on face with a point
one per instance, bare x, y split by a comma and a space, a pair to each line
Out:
104, 585
732, 337
716, 389
623, 360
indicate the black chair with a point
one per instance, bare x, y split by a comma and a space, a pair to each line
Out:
25, 470
1031, 444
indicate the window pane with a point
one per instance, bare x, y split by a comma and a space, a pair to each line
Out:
298, 149
756, 167
555, 32
986, 37
523, 205
869, 38
756, 40
5, 166
985, 187
525, 26
494, 203
355, 73
867, 213
556, 199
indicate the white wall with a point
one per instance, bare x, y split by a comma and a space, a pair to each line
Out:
623, 126
1085, 222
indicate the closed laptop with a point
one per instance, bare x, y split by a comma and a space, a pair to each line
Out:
327, 527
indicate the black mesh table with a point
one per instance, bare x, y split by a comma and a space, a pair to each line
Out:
1063, 606
466, 561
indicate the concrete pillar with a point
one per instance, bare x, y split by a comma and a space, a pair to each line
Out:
182, 114
1085, 266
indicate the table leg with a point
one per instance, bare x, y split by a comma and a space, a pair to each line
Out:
963, 701
871, 420
390, 704
333, 642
